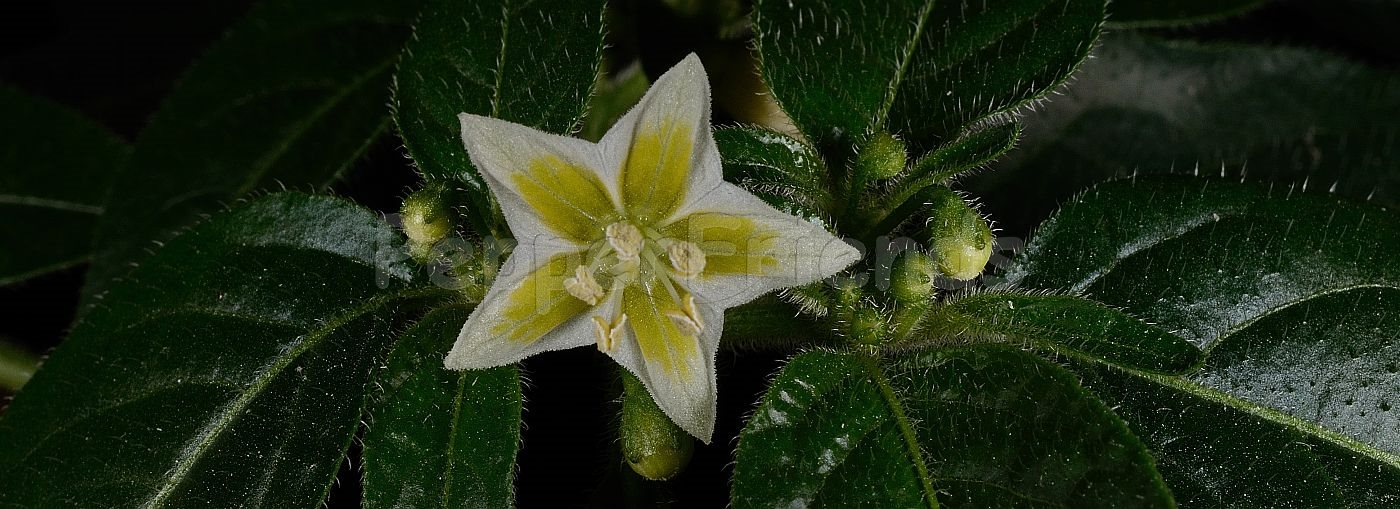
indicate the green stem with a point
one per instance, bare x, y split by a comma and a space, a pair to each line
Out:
16, 366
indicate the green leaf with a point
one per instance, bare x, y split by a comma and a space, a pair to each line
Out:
927, 69
1217, 451
1204, 257
1280, 115
1156, 13
768, 324
55, 168
232, 366
977, 59
292, 96
783, 171
440, 438
1063, 321
1290, 294
973, 426
973, 150
533, 63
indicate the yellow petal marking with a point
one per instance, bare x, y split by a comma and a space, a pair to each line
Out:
540, 303
663, 345
653, 180
568, 197
733, 245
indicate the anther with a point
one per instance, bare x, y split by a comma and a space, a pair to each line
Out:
626, 240
608, 334
584, 286
687, 319
687, 259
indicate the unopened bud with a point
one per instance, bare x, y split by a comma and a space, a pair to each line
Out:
427, 218
911, 278
960, 239
867, 326
653, 446
883, 156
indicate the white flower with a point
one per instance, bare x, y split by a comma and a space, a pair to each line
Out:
635, 244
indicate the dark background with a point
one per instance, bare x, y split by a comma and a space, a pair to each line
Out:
116, 60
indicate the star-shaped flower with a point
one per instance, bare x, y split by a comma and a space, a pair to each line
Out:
635, 244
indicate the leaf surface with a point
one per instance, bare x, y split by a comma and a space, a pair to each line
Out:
1287, 116
292, 96
925, 70
1293, 298
231, 368
783, 171
56, 168
440, 438
971, 426
1063, 321
529, 62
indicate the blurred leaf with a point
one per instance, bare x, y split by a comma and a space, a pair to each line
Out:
440, 438
1144, 106
1063, 321
55, 168
1157, 13
611, 99
17, 366
927, 69
1291, 295
973, 426
232, 367
291, 96
532, 63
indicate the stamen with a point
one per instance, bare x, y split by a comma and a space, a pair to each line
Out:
625, 239
688, 318
686, 258
608, 335
584, 286
600, 329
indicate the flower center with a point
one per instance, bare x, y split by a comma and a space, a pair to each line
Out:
631, 255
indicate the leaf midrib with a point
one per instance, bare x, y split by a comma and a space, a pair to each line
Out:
50, 203
266, 163
910, 49
234, 410
1251, 408
906, 429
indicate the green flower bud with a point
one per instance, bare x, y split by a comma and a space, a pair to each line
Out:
882, 157
427, 218
848, 292
653, 446
960, 239
867, 326
911, 278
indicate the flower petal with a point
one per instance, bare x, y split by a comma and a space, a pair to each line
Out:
547, 185
752, 248
527, 311
677, 369
663, 147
